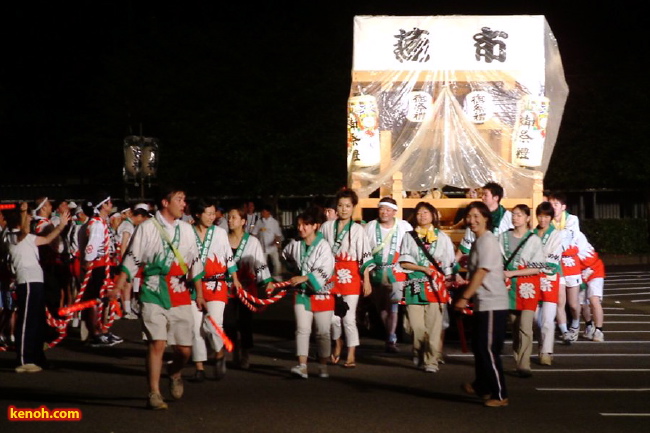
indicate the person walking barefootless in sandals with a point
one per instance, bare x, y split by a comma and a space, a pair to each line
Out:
353, 255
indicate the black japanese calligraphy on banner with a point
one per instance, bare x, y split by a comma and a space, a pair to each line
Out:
488, 46
412, 46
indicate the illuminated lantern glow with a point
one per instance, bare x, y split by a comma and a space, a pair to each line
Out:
529, 133
363, 131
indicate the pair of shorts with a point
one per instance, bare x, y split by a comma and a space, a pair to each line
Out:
387, 294
595, 287
6, 298
571, 280
176, 325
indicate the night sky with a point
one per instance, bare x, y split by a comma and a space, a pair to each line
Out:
77, 77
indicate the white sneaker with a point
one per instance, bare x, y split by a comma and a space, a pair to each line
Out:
28, 368
322, 372
300, 370
598, 336
589, 332
431, 369
570, 336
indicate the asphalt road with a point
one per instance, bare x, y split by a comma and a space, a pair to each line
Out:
591, 387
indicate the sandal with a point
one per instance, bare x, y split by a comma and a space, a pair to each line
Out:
349, 365
334, 359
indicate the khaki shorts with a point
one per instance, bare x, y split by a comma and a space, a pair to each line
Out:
176, 325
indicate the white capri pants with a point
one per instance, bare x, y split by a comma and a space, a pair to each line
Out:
204, 330
321, 322
349, 322
546, 322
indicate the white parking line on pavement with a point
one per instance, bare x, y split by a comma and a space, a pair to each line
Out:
623, 414
630, 294
609, 322
594, 389
589, 370
627, 315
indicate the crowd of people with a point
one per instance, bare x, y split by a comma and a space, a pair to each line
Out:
192, 275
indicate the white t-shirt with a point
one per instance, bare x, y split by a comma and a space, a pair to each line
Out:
24, 260
267, 230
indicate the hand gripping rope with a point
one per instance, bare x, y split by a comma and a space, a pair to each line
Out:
253, 302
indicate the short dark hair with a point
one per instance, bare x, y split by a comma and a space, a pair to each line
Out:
483, 209
545, 208
431, 208
559, 196
13, 218
495, 189
523, 207
241, 210
166, 192
347, 193
200, 205
312, 215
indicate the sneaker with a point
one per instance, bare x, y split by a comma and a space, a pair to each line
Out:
598, 336
176, 387
589, 332
493, 402
130, 316
545, 359
570, 336
431, 369
220, 368
156, 401
101, 341
322, 371
300, 371
28, 368
115, 339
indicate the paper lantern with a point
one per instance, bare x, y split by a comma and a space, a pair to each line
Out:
149, 157
478, 106
132, 156
419, 106
363, 131
529, 133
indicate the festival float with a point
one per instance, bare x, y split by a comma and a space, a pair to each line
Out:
441, 103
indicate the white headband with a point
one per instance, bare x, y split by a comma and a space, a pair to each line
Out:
41, 205
107, 199
387, 204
